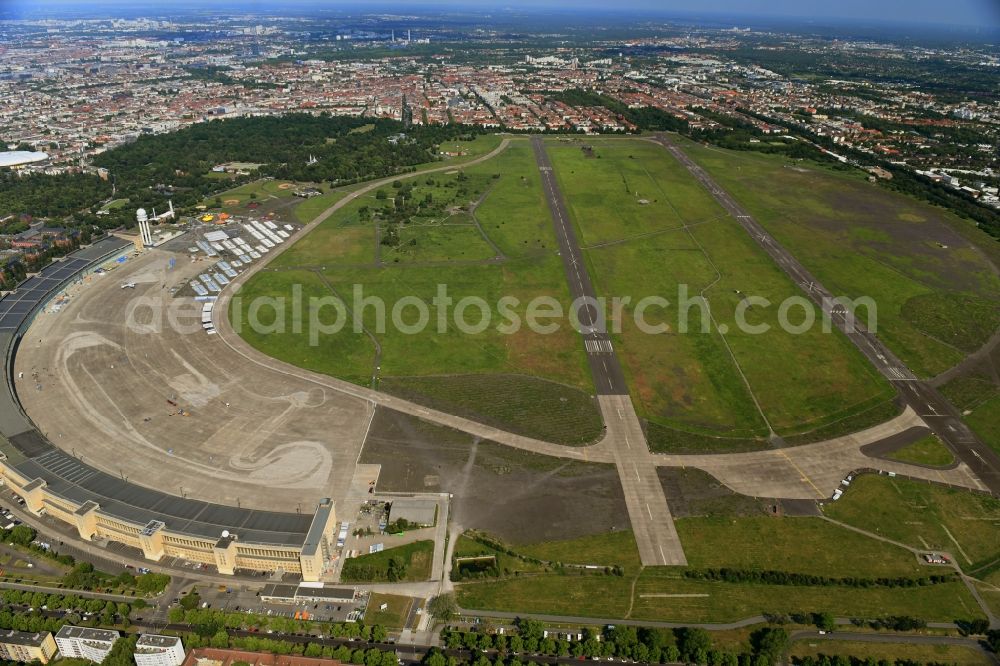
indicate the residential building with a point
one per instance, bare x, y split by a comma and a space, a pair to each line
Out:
27, 647
153, 650
86, 643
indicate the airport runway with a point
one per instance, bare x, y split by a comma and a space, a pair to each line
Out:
937, 412
649, 514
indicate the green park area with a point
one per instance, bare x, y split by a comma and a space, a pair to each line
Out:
650, 230
411, 562
958, 655
811, 565
925, 516
482, 231
927, 270
388, 610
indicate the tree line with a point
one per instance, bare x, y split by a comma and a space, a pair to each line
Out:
772, 577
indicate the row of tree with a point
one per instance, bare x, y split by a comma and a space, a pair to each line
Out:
208, 622
771, 577
642, 644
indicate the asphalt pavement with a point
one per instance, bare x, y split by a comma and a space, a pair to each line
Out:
650, 518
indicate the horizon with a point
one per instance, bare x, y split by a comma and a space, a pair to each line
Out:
971, 14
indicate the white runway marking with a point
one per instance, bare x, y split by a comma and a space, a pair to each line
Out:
599, 346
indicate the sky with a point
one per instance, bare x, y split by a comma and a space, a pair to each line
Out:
982, 13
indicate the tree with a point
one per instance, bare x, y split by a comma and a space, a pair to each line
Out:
529, 629
22, 535
770, 642
693, 643
121, 653
444, 606
993, 640
824, 621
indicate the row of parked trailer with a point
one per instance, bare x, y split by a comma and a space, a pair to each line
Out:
209, 284
206, 317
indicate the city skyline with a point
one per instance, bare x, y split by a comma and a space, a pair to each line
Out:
961, 13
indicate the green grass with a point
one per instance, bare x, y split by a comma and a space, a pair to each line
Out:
115, 204
609, 549
451, 242
525, 405
347, 354
515, 214
861, 240
262, 188
662, 439
865, 417
958, 655
481, 373
612, 596
309, 209
506, 563
959, 320
799, 545
371, 568
687, 379
968, 392
394, 616
922, 516
342, 238
985, 421
929, 451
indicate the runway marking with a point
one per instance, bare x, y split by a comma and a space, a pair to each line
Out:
649, 511
637, 477
804, 476
662, 556
599, 346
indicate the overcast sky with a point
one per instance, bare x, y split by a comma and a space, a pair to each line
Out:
983, 13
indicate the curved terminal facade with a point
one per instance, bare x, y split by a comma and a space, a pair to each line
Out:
102, 507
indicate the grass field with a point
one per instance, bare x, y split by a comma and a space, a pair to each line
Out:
416, 557
985, 420
916, 261
944, 654
610, 549
650, 230
309, 209
799, 545
478, 373
525, 405
394, 616
662, 597
929, 451
924, 516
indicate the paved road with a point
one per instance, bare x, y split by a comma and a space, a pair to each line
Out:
648, 512
937, 412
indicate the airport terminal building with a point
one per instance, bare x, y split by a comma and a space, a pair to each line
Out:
102, 507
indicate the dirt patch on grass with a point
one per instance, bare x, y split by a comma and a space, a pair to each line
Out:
518, 496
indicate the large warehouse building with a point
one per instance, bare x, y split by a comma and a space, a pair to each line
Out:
102, 507
16, 159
